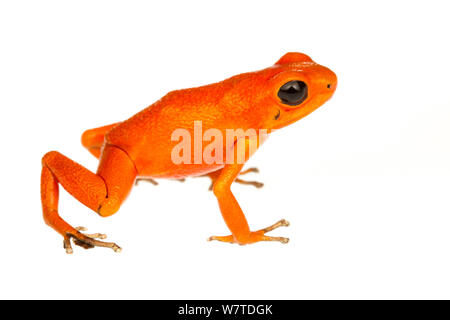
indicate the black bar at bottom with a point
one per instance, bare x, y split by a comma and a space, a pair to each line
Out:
235, 309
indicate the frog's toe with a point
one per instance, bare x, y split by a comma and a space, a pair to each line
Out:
229, 239
255, 236
152, 181
256, 184
92, 235
87, 241
249, 170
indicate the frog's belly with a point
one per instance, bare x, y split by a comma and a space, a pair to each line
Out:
176, 171
161, 164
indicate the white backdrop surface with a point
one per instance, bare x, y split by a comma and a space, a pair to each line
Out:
364, 180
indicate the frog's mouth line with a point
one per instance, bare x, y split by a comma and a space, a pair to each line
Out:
277, 115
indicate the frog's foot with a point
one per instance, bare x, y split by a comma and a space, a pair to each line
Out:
92, 235
256, 184
255, 236
153, 181
87, 241
249, 170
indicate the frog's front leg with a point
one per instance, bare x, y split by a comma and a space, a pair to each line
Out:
229, 207
233, 215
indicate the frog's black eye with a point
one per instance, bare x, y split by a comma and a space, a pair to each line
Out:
293, 92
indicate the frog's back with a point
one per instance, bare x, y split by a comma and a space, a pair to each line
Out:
147, 136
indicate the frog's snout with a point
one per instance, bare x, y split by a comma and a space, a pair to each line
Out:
332, 86
331, 81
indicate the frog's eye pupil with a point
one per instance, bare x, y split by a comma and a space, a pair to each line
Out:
293, 92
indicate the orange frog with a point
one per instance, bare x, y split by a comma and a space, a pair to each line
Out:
142, 147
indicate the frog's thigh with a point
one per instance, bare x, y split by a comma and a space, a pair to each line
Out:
93, 139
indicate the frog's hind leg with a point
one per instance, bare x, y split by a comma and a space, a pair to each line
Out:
102, 192
93, 139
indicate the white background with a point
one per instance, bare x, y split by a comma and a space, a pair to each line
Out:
364, 180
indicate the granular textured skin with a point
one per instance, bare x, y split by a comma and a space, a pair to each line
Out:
142, 146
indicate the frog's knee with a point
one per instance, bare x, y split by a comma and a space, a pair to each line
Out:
108, 207
49, 156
